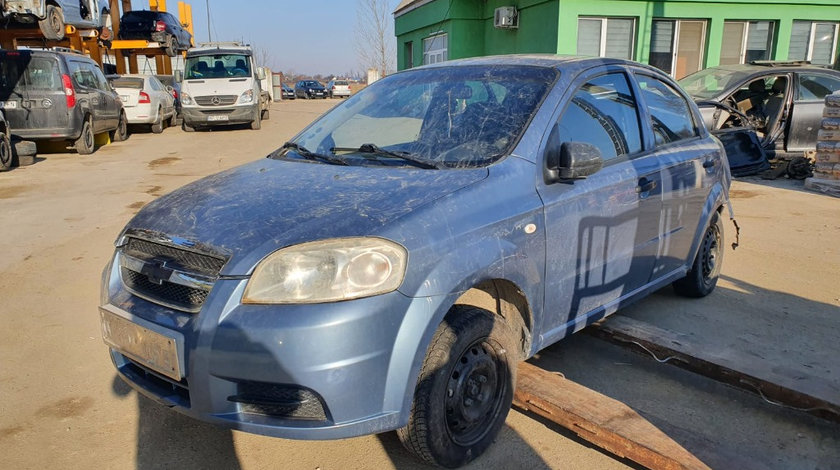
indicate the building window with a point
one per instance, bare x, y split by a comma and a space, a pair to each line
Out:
435, 49
678, 47
408, 54
606, 37
813, 41
746, 41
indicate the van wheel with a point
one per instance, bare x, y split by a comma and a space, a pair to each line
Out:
172, 47
120, 134
157, 126
256, 124
266, 114
6, 155
85, 144
464, 391
52, 26
173, 121
186, 127
703, 275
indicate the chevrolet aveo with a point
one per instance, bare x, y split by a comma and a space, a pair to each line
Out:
390, 265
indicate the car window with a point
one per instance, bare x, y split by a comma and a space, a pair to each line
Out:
82, 75
816, 86
670, 113
603, 113
101, 83
19, 72
154, 84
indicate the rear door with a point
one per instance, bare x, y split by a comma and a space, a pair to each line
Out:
811, 89
602, 231
31, 91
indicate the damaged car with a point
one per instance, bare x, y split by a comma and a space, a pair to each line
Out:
389, 266
764, 111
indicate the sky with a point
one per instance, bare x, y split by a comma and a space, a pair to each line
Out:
302, 37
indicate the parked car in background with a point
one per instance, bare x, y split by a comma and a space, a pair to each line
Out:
146, 101
338, 88
156, 26
54, 95
52, 16
309, 89
170, 82
288, 92
445, 223
781, 101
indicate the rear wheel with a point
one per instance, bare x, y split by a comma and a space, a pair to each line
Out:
52, 26
173, 121
703, 275
120, 134
157, 126
6, 155
85, 144
464, 391
172, 47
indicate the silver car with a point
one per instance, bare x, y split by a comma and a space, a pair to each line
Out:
146, 101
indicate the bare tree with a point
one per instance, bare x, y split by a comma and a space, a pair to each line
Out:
263, 57
375, 42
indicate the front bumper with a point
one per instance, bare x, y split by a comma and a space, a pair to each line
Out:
239, 362
206, 115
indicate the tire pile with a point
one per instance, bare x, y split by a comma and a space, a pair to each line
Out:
827, 168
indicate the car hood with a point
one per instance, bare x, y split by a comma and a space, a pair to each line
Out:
216, 86
252, 210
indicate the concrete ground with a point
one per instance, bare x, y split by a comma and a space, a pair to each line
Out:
61, 405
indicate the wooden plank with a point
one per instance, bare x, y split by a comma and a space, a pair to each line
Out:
777, 383
598, 419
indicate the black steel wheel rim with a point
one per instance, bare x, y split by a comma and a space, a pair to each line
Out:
711, 248
5, 152
89, 138
55, 21
477, 383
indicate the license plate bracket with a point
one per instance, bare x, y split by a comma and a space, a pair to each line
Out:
217, 117
143, 342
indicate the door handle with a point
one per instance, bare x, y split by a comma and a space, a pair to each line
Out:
645, 185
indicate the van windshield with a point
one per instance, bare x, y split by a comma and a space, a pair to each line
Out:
217, 66
22, 72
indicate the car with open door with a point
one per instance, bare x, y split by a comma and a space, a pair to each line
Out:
390, 265
781, 102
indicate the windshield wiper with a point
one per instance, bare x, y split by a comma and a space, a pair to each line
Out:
372, 149
310, 155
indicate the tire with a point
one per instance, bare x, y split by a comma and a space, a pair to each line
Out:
172, 47
705, 271
157, 126
256, 124
464, 391
7, 158
52, 26
266, 114
173, 121
186, 127
120, 134
86, 144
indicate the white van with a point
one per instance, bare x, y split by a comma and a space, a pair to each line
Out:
220, 85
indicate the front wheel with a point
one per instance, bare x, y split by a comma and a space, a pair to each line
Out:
6, 155
464, 391
172, 47
256, 124
705, 271
52, 26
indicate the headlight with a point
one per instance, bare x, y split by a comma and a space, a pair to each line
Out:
186, 98
247, 96
327, 271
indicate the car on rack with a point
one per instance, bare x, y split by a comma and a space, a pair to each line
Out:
156, 26
146, 101
52, 16
59, 95
309, 89
390, 265
338, 89
782, 102
170, 83
288, 93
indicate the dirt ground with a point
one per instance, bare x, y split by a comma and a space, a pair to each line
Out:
61, 405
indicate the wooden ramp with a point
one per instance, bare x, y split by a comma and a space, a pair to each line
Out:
598, 419
776, 383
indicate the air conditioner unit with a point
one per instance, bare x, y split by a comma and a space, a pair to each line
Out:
506, 17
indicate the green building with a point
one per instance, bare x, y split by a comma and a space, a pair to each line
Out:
678, 36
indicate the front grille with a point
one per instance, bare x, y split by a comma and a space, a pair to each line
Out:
189, 260
280, 401
169, 293
221, 100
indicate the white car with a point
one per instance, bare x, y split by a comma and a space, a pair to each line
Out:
338, 88
146, 101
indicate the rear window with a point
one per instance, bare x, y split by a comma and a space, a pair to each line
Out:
124, 82
340, 82
25, 72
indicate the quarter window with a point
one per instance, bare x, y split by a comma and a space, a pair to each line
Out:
603, 113
435, 49
606, 37
746, 41
816, 87
670, 114
813, 41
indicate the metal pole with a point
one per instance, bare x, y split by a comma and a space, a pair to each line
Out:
209, 38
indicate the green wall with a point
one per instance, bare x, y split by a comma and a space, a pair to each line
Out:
551, 25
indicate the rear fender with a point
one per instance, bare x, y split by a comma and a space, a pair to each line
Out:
717, 198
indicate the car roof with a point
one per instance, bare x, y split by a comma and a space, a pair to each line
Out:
539, 60
761, 67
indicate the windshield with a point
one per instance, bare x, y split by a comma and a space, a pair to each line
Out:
217, 66
450, 117
710, 83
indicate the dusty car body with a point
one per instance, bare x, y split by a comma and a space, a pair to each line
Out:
52, 16
781, 102
402, 253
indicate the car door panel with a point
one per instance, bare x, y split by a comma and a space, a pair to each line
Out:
806, 112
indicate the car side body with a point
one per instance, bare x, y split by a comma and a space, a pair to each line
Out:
156, 26
602, 191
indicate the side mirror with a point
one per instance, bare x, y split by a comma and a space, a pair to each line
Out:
571, 160
179, 76
260, 74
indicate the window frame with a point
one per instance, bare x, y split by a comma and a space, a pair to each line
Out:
745, 37
698, 132
812, 32
602, 42
797, 97
442, 52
